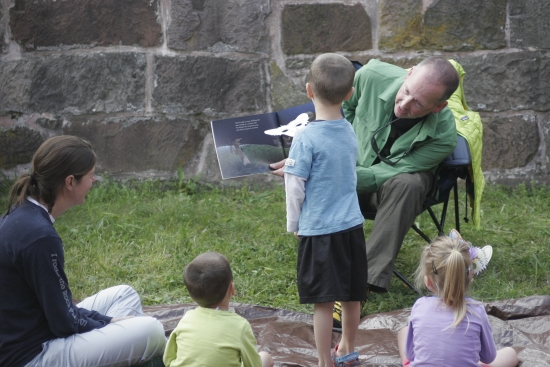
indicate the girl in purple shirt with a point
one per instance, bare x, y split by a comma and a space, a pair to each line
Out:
448, 328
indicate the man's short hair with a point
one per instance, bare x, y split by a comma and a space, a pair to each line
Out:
207, 278
442, 72
331, 77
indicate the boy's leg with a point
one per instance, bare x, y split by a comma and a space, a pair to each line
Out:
350, 324
506, 357
322, 330
267, 361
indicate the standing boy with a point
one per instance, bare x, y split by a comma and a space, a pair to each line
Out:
211, 335
323, 211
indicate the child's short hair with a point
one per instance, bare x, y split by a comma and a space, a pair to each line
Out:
207, 278
446, 262
331, 77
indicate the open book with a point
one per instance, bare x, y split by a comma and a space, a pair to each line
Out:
244, 148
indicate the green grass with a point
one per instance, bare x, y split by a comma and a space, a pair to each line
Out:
143, 234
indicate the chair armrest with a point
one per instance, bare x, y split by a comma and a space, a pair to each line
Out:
460, 156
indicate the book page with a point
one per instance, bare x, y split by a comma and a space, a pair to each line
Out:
242, 146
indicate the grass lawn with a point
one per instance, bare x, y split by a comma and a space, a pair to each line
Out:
143, 234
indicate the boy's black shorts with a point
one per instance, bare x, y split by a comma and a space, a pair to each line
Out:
333, 267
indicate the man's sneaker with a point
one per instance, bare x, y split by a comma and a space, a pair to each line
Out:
348, 360
337, 315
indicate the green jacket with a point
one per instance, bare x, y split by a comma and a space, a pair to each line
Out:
370, 107
468, 124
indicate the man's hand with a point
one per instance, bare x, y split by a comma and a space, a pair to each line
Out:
278, 168
296, 235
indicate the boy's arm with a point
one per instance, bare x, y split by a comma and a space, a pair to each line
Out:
249, 353
171, 350
295, 188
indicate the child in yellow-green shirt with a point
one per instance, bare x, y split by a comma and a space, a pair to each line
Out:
211, 335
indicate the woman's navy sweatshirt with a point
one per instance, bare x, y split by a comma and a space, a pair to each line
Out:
35, 300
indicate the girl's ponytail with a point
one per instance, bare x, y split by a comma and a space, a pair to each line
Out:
446, 263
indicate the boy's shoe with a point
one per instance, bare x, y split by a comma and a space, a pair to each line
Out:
337, 315
349, 360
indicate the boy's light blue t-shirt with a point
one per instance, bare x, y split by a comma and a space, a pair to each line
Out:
324, 153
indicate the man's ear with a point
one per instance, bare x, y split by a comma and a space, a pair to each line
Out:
309, 91
439, 107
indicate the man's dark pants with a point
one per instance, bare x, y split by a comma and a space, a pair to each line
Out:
397, 204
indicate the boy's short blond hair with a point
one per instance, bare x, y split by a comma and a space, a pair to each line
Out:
207, 278
331, 77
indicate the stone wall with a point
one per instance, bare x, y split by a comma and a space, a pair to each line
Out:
142, 79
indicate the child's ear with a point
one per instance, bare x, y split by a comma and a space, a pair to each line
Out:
429, 283
231, 289
309, 91
349, 94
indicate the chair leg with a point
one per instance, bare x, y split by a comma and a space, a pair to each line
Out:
406, 281
457, 215
422, 234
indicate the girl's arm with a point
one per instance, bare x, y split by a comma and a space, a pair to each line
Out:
409, 348
488, 351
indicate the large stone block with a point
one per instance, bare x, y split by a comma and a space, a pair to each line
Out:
190, 84
299, 62
507, 81
529, 23
219, 25
74, 84
465, 25
545, 124
509, 141
137, 144
400, 25
50, 23
18, 142
205, 163
316, 28
284, 93
3, 45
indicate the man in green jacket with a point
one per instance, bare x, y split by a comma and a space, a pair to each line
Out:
404, 131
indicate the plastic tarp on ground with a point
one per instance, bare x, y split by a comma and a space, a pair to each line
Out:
523, 324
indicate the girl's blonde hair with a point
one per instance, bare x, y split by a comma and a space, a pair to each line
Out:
446, 262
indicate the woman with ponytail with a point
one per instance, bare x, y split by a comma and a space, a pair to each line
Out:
449, 328
39, 324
